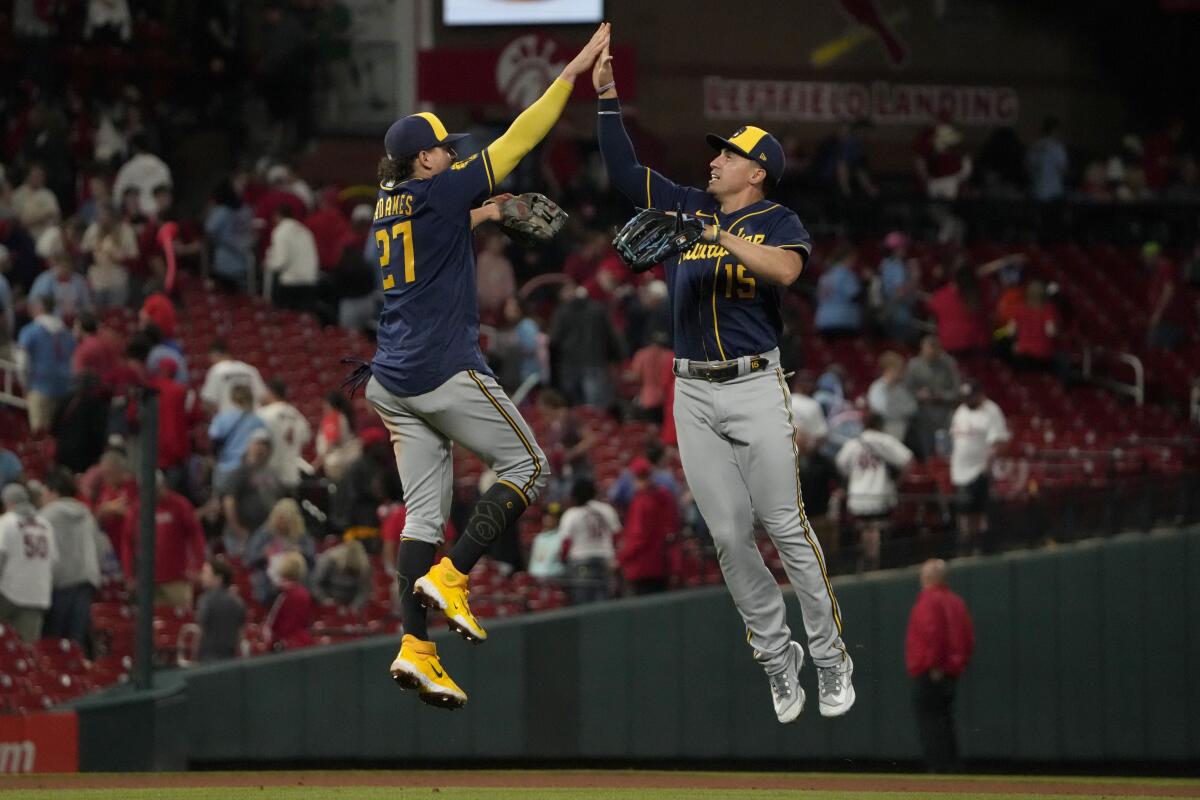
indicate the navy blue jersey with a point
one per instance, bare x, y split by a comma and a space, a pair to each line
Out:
429, 327
721, 310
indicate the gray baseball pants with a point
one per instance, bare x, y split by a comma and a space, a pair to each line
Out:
737, 444
472, 410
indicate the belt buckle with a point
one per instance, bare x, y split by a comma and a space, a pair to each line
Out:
725, 372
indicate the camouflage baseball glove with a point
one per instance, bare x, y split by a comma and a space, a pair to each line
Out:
531, 219
654, 236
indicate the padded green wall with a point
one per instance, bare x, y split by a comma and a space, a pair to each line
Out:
1083, 654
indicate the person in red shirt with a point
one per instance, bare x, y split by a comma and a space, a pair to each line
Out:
109, 489
1036, 327
651, 367
178, 411
130, 374
178, 546
268, 201
937, 650
289, 622
159, 310
330, 229
1012, 290
652, 519
960, 314
99, 350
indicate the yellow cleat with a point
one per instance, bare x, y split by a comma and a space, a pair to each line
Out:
445, 588
417, 667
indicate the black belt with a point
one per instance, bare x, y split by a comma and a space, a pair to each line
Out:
721, 371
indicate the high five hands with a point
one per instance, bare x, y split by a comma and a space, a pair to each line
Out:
583, 62
602, 74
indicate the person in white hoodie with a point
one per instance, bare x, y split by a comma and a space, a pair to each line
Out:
27, 557
871, 462
77, 572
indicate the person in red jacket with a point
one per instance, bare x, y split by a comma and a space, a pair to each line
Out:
937, 650
99, 350
289, 622
178, 546
653, 517
1036, 326
178, 411
330, 229
108, 489
960, 314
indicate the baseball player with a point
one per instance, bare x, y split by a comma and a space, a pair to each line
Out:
429, 381
732, 405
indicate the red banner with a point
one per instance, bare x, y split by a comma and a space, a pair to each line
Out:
516, 74
39, 742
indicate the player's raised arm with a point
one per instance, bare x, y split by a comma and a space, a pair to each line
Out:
643, 186
536, 121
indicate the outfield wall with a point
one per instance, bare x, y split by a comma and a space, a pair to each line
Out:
1083, 654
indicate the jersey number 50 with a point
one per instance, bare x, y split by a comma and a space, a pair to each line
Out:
402, 229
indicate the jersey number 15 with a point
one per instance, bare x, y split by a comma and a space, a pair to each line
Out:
404, 230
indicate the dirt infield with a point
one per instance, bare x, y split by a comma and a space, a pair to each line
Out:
624, 780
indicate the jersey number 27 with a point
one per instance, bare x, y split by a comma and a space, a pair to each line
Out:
400, 229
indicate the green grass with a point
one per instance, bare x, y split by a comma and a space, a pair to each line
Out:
305, 786
477, 793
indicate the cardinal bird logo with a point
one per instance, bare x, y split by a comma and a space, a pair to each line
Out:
870, 24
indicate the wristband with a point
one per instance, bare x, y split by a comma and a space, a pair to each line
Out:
606, 87
716, 234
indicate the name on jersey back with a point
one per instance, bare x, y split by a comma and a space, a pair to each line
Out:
394, 205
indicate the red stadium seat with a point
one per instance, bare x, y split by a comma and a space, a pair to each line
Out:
61, 656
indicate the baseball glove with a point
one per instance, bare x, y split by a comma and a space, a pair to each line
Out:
653, 236
531, 219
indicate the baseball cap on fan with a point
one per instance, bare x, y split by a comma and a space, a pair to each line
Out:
755, 144
417, 132
641, 467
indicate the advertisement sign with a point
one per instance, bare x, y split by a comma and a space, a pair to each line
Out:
881, 102
42, 742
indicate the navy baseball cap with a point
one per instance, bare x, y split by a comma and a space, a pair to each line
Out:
755, 144
417, 132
